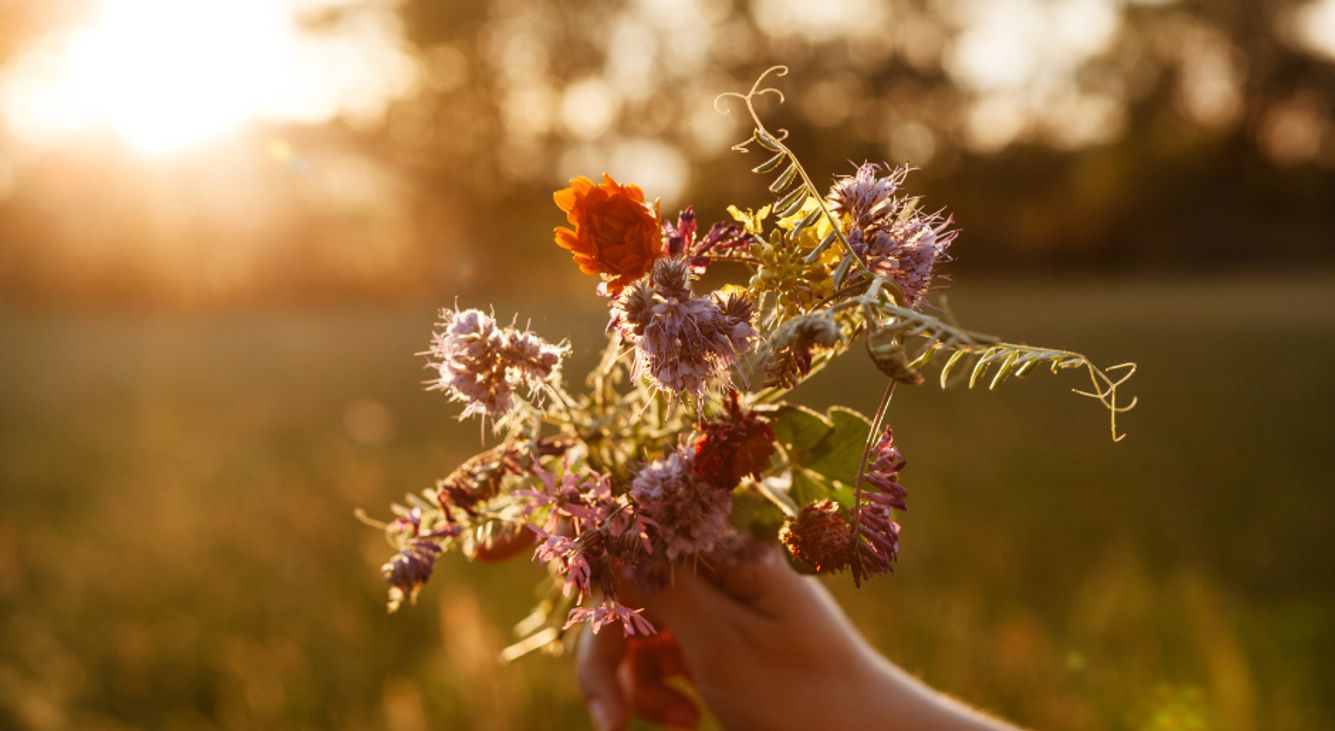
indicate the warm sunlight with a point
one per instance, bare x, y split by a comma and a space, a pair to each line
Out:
164, 75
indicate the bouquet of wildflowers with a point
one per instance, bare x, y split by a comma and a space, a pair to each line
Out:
681, 453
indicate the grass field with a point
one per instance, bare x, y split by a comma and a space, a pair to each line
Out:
177, 546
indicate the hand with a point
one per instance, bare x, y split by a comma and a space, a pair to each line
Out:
765, 648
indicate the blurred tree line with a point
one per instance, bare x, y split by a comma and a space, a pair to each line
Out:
1103, 134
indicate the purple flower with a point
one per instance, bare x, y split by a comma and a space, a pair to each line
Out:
587, 529
682, 234
690, 516
482, 364
721, 239
899, 241
409, 570
609, 611
682, 341
883, 472
877, 537
570, 558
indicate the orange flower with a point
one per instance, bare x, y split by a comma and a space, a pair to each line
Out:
615, 232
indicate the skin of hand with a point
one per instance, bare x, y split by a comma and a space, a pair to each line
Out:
765, 648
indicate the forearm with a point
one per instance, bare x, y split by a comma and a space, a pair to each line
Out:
904, 703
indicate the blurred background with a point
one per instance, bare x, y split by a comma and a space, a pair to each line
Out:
225, 226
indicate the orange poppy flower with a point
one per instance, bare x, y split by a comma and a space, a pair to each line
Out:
614, 232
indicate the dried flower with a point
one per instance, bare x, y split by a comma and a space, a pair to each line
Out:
681, 340
877, 536
733, 446
795, 343
409, 570
482, 364
818, 537
475, 481
899, 240
614, 232
690, 516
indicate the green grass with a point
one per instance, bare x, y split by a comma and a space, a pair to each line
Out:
177, 547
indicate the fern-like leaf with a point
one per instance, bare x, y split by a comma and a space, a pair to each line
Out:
993, 362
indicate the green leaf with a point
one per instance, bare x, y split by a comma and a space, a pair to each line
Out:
955, 358
809, 487
770, 165
784, 180
825, 446
822, 246
1004, 371
767, 142
791, 202
756, 514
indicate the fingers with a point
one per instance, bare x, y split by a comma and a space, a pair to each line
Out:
650, 664
693, 607
596, 662
761, 585
760, 582
664, 705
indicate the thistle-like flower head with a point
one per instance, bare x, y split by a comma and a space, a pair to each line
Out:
689, 515
897, 238
682, 341
482, 364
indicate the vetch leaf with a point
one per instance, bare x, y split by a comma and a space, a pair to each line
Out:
784, 180
770, 165
790, 203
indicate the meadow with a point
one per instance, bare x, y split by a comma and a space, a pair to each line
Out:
178, 548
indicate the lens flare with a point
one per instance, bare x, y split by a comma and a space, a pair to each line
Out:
165, 75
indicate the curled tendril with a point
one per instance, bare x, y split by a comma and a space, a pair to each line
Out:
749, 99
1105, 391
756, 91
773, 141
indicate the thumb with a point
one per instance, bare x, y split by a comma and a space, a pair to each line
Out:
707, 607
596, 661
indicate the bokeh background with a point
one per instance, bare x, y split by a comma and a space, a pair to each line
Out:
225, 226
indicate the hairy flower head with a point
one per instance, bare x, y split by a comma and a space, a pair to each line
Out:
689, 515
482, 363
681, 340
614, 232
897, 238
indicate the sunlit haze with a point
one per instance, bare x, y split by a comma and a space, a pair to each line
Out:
165, 75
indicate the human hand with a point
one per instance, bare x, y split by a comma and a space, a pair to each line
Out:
766, 648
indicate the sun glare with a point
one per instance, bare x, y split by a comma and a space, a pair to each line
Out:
166, 75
